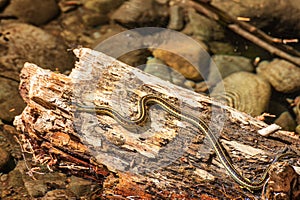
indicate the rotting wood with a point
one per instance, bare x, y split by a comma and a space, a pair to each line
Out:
180, 161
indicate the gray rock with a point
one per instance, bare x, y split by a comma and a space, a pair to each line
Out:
203, 27
35, 12
36, 188
223, 65
282, 75
158, 68
79, 186
133, 13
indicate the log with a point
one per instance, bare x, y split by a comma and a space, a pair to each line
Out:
168, 158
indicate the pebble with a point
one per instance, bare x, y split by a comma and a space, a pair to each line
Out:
244, 91
189, 84
35, 12
282, 75
3, 177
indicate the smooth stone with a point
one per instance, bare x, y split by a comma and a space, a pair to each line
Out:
286, 121
133, 14
282, 75
223, 65
177, 78
35, 12
158, 68
199, 25
244, 91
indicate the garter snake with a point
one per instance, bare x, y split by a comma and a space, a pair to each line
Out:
143, 105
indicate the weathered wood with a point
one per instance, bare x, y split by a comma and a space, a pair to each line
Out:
169, 158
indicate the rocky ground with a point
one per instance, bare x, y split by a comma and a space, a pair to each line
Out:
45, 32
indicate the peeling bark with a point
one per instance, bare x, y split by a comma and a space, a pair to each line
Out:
166, 159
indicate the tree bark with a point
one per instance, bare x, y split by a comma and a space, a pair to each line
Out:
166, 159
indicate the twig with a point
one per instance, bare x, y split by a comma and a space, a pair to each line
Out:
272, 49
247, 31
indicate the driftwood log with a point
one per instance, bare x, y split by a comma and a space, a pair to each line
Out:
167, 159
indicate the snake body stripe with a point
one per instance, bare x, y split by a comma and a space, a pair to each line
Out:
143, 105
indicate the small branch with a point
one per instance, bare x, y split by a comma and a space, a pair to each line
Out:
272, 49
248, 32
